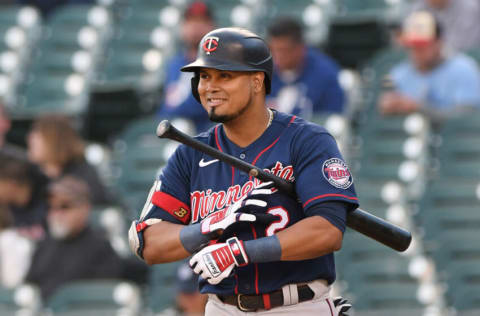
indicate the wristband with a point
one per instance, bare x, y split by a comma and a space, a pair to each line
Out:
192, 238
266, 249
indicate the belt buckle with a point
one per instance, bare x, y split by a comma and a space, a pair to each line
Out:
239, 304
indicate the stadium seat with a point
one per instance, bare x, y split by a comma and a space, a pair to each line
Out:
64, 62
359, 248
419, 311
463, 284
8, 307
161, 293
103, 297
138, 157
459, 150
447, 208
397, 295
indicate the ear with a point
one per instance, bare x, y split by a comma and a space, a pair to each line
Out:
258, 81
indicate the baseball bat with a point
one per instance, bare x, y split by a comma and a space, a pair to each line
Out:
363, 222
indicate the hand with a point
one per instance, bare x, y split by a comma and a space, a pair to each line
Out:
341, 305
395, 103
216, 223
216, 262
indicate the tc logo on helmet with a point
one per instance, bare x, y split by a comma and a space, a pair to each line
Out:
210, 44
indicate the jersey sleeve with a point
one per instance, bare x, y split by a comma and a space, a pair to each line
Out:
169, 197
321, 173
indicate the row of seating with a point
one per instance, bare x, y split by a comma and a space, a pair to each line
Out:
422, 176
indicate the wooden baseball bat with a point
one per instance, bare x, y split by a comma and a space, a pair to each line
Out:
363, 222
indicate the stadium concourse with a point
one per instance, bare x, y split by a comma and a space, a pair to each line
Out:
102, 65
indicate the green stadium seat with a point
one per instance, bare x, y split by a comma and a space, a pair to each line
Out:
138, 157
395, 295
463, 284
389, 270
161, 292
359, 248
8, 307
65, 94
419, 311
103, 297
459, 151
447, 208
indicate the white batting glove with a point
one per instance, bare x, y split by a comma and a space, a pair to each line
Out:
216, 223
216, 262
341, 305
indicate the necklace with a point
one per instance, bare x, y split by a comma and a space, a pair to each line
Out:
270, 112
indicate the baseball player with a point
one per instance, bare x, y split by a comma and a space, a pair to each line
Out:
256, 249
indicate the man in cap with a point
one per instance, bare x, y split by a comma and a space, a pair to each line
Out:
430, 80
74, 250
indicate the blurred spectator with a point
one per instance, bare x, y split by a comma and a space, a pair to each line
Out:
459, 20
6, 148
430, 80
55, 146
178, 99
46, 7
14, 260
189, 301
73, 250
23, 195
305, 81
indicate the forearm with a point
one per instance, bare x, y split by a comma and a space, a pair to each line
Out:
310, 238
162, 243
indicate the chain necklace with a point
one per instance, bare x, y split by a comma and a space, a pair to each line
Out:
270, 112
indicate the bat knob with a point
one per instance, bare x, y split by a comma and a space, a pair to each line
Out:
162, 128
253, 172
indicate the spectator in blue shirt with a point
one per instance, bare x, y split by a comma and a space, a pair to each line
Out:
305, 81
430, 80
178, 101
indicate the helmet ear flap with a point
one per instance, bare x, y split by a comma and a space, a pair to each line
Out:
194, 82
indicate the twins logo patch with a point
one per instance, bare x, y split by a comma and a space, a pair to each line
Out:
337, 174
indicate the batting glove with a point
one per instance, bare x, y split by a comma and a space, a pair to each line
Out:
216, 262
341, 305
135, 235
216, 223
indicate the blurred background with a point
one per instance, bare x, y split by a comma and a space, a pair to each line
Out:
84, 83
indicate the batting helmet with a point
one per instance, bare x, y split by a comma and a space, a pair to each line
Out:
233, 49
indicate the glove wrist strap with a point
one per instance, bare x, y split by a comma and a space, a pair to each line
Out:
238, 251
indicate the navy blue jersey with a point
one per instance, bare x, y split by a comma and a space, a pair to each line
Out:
194, 185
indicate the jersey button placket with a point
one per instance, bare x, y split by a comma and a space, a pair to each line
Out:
242, 156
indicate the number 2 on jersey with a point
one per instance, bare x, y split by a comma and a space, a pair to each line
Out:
279, 224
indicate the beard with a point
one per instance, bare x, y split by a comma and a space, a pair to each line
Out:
57, 229
219, 118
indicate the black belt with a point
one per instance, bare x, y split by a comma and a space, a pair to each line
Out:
251, 303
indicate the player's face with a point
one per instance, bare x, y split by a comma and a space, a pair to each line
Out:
225, 95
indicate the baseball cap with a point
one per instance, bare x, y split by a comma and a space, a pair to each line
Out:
420, 28
71, 187
197, 9
186, 280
